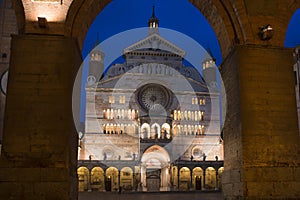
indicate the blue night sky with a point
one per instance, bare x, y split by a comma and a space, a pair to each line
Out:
177, 15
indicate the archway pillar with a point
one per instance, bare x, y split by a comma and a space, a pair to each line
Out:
261, 139
39, 152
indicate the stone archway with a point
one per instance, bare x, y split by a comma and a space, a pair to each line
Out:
155, 169
260, 134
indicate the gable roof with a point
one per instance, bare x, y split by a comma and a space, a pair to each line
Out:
155, 41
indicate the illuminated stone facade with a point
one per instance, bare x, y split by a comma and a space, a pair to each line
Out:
261, 134
154, 111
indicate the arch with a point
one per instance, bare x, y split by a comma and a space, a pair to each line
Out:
210, 178
112, 174
83, 178
145, 131
185, 115
97, 179
166, 130
197, 178
175, 115
126, 178
222, 15
292, 33
185, 179
220, 174
158, 152
155, 167
155, 131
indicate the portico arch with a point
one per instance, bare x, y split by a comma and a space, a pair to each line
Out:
155, 169
83, 178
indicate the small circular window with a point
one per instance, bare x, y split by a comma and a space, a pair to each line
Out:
196, 152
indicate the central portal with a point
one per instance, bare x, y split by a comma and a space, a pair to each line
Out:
153, 180
155, 170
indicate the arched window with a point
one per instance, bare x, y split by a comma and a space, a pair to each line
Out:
189, 116
175, 115
155, 131
165, 133
118, 114
185, 115
108, 114
122, 114
129, 114
189, 130
145, 131
133, 114
185, 130
104, 114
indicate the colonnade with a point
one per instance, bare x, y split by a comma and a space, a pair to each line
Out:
129, 178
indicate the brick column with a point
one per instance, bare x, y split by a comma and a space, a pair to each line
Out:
261, 142
39, 155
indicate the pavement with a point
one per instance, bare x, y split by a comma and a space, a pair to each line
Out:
150, 196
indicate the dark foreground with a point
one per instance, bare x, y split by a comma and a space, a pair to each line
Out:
150, 196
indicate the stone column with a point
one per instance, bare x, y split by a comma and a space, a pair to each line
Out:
119, 179
133, 180
171, 179
39, 152
178, 176
89, 180
261, 131
104, 176
191, 175
204, 179
217, 181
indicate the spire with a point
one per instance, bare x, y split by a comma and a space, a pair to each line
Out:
153, 22
97, 41
153, 11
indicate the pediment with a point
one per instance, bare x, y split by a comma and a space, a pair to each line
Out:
155, 41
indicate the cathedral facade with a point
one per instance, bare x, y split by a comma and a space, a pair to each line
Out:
152, 124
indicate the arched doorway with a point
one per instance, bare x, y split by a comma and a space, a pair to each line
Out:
155, 172
126, 179
185, 179
111, 179
197, 178
97, 179
83, 179
210, 178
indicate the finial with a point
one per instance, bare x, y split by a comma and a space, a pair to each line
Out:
153, 11
97, 42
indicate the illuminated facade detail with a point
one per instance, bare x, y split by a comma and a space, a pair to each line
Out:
111, 99
142, 129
